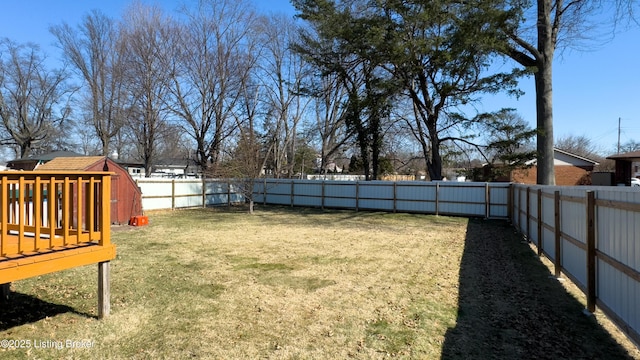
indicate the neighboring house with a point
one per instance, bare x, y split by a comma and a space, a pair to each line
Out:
570, 169
175, 168
126, 197
31, 162
136, 170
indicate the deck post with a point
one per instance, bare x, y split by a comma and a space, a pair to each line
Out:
104, 289
5, 289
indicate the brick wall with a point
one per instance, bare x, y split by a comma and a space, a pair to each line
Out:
566, 175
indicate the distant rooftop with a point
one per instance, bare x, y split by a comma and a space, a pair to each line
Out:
631, 156
48, 156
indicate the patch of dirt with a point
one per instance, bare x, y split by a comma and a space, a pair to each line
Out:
510, 308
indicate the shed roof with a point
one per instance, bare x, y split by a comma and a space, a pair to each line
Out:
71, 163
630, 156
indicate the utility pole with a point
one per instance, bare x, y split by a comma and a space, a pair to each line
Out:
619, 121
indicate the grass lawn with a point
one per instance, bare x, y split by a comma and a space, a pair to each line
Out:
308, 284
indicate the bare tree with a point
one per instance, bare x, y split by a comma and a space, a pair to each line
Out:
206, 78
95, 51
579, 145
146, 34
283, 73
34, 101
330, 123
631, 145
173, 142
250, 153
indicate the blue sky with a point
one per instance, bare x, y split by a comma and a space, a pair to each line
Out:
592, 90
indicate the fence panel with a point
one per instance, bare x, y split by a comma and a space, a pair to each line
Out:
416, 191
611, 276
573, 230
188, 193
216, 192
340, 194
155, 194
417, 197
618, 227
618, 234
499, 200
533, 214
307, 193
376, 195
273, 191
467, 199
522, 209
548, 222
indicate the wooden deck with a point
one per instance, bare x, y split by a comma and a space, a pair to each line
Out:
54, 221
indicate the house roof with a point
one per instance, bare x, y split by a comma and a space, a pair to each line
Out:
71, 163
47, 157
631, 156
577, 157
562, 157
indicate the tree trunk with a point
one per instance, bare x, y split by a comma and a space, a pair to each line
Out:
544, 109
544, 95
435, 165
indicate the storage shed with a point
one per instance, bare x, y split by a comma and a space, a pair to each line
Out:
126, 196
624, 166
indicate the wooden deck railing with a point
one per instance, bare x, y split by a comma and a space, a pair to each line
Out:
54, 221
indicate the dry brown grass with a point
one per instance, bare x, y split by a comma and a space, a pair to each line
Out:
309, 284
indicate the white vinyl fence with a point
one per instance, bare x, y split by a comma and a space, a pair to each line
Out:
592, 234
178, 193
488, 200
448, 198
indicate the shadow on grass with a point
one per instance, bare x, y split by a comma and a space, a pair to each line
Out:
509, 307
21, 309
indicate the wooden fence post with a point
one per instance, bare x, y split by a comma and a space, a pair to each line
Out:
357, 194
228, 193
528, 212
591, 252
557, 261
173, 194
323, 195
510, 204
437, 198
487, 200
395, 196
204, 192
539, 215
104, 289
